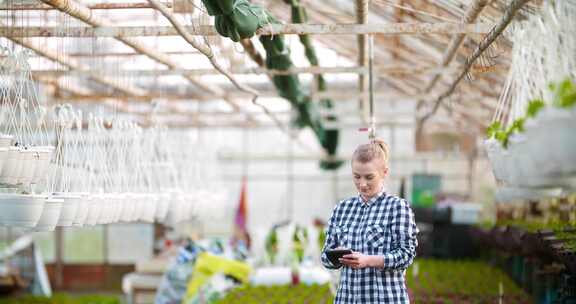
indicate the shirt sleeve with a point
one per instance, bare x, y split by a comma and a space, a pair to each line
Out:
404, 242
331, 241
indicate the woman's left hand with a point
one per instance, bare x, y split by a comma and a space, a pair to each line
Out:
358, 260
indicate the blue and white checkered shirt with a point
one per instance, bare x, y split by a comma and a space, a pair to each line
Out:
382, 226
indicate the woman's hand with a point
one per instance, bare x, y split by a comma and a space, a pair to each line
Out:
358, 260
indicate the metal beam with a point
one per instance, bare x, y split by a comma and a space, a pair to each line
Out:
273, 29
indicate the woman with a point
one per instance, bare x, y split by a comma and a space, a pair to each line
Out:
380, 230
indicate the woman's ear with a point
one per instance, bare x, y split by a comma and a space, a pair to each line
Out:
385, 172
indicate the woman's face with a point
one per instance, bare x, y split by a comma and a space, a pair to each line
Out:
368, 177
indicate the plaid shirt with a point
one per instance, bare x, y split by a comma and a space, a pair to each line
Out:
382, 226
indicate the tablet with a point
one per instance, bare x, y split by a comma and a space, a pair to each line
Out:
334, 254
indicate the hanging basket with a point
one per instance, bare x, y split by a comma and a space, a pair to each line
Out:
5, 140
149, 205
117, 200
3, 157
544, 156
28, 159
95, 210
43, 157
128, 208
84, 206
50, 215
11, 169
18, 210
69, 208
162, 207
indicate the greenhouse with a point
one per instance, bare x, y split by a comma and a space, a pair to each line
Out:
287, 151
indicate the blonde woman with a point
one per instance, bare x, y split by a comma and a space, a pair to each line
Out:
378, 228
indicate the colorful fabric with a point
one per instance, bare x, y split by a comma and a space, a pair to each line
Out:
382, 226
208, 265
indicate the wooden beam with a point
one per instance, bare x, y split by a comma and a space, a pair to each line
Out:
83, 13
117, 54
72, 64
273, 29
471, 14
509, 13
243, 97
116, 5
380, 71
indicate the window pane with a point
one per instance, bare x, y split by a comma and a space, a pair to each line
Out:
84, 245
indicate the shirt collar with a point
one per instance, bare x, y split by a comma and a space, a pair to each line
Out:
373, 199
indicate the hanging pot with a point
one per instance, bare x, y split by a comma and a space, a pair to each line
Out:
107, 209
3, 157
50, 214
5, 140
19, 210
42, 162
175, 209
496, 155
140, 206
149, 208
83, 209
162, 207
11, 169
69, 208
118, 202
28, 158
95, 210
127, 207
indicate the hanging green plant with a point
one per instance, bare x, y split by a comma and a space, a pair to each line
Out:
564, 93
534, 107
239, 19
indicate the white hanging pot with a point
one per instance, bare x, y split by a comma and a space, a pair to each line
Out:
42, 162
187, 207
19, 210
107, 206
95, 210
149, 208
118, 204
557, 135
162, 207
173, 216
5, 140
69, 208
50, 214
139, 206
3, 157
29, 158
11, 169
83, 209
495, 153
127, 208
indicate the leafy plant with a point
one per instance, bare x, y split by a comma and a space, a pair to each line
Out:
300, 293
272, 245
564, 93
534, 107
452, 280
62, 299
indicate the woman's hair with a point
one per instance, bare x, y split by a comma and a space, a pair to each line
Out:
377, 149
